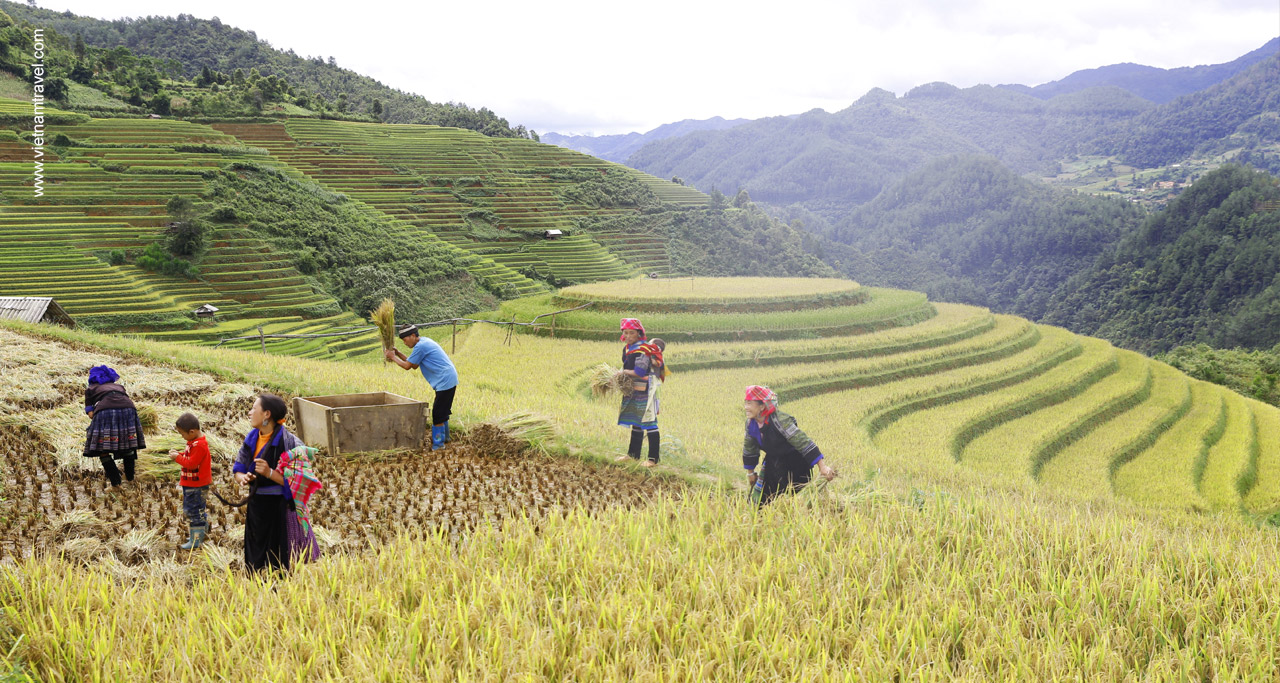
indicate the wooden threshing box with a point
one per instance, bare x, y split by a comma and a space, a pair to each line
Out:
350, 423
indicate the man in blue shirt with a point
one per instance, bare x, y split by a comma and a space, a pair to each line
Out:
428, 356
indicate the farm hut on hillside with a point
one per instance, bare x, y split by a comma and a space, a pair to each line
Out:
552, 234
34, 309
206, 312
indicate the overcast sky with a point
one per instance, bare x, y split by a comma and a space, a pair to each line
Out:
596, 66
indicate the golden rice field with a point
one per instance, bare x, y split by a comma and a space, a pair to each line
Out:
1015, 503
667, 293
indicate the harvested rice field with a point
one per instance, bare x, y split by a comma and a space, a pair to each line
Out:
58, 502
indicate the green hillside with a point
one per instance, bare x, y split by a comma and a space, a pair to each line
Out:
968, 229
147, 53
1240, 112
1203, 270
305, 224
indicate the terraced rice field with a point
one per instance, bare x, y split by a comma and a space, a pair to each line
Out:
99, 199
939, 390
443, 187
492, 197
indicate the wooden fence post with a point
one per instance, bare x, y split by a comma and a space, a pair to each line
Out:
262, 339
453, 338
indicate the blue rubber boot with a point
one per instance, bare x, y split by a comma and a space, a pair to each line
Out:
437, 437
446, 431
196, 537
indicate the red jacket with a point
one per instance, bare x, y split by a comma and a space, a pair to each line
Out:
196, 464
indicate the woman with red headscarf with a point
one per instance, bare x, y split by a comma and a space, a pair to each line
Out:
790, 454
641, 361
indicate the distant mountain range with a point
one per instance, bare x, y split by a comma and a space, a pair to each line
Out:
618, 148
828, 163
1149, 82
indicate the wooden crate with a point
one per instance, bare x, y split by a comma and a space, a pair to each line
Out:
351, 423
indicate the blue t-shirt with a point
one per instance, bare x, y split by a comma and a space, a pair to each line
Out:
435, 365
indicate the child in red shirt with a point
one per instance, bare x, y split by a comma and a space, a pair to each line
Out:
196, 477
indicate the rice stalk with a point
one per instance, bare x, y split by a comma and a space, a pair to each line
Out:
384, 316
75, 519
236, 533
537, 430
327, 538
164, 569
137, 545
605, 380
155, 463
85, 549
217, 558
148, 418
117, 569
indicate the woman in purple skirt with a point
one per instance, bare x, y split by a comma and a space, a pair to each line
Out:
273, 536
115, 433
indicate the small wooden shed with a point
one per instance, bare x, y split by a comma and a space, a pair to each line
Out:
206, 312
34, 309
552, 234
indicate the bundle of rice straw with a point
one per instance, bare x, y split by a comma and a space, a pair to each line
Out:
384, 316
149, 419
605, 380
537, 430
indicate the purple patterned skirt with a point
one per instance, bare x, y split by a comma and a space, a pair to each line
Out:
114, 431
302, 544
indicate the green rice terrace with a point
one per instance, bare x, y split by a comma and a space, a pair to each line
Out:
487, 201
934, 387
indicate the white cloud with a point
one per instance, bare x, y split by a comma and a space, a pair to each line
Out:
581, 65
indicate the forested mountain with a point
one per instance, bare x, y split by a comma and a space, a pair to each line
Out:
1245, 108
1149, 82
820, 165
618, 148
198, 44
1206, 269
828, 163
966, 228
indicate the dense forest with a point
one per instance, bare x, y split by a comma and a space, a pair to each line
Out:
117, 82
966, 228
185, 47
1247, 104
1204, 270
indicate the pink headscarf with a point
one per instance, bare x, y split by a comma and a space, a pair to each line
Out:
765, 395
632, 324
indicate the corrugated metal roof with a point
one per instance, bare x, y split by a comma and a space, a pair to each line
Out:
33, 310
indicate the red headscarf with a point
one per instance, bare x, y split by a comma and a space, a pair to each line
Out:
765, 395
632, 324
